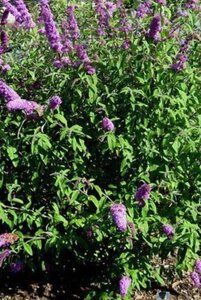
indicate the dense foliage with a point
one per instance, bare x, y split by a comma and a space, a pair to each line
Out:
104, 163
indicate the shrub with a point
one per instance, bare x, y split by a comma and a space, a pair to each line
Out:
67, 180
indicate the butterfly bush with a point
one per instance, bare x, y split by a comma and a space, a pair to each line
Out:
69, 180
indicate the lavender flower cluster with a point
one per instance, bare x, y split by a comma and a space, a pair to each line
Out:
20, 12
181, 57
104, 10
118, 213
14, 102
168, 230
50, 27
143, 9
195, 277
124, 284
143, 193
155, 28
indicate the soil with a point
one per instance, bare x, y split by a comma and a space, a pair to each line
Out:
25, 288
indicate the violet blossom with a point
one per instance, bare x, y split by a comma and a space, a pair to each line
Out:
24, 105
124, 285
143, 9
72, 28
12, 10
191, 4
84, 59
55, 102
181, 57
103, 17
155, 28
168, 230
124, 22
7, 92
143, 193
50, 27
107, 124
118, 213
24, 14
195, 279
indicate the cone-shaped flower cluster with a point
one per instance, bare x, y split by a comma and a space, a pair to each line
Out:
124, 285
155, 28
107, 124
14, 102
118, 213
55, 102
51, 31
195, 279
143, 193
168, 230
143, 9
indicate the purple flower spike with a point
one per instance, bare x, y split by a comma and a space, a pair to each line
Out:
12, 10
198, 265
155, 28
50, 27
143, 9
84, 58
168, 231
24, 105
73, 28
126, 44
7, 93
25, 15
55, 102
124, 284
143, 193
195, 279
107, 124
118, 213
